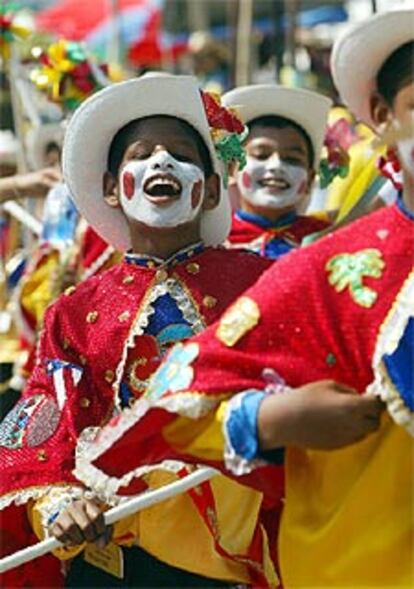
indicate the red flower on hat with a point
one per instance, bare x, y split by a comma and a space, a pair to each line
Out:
220, 117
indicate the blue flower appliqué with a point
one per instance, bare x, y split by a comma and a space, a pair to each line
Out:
175, 373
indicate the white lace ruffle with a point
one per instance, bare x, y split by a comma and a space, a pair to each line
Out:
389, 337
187, 306
93, 442
22, 496
91, 446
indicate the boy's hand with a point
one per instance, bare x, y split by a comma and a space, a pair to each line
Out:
81, 522
322, 415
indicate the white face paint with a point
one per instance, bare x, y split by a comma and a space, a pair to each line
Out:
272, 183
406, 153
161, 191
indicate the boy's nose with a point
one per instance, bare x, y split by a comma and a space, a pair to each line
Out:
163, 161
274, 160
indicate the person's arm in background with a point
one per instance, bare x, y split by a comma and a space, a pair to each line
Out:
33, 184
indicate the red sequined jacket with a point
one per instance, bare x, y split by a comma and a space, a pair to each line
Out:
84, 347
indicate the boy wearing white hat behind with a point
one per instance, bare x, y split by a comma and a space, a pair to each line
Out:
141, 164
286, 132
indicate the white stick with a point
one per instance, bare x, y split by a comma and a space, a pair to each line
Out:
19, 213
113, 515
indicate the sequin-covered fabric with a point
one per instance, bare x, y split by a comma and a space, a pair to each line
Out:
98, 337
307, 331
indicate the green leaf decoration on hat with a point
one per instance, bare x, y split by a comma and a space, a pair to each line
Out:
230, 149
347, 271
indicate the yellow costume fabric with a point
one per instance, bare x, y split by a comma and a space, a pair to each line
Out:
165, 529
361, 492
346, 192
37, 290
173, 531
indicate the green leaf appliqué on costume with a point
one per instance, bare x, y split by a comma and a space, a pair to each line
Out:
349, 270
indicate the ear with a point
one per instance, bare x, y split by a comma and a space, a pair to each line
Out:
211, 192
381, 112
110, 191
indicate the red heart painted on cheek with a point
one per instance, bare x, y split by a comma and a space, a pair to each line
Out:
128, 182
246, 180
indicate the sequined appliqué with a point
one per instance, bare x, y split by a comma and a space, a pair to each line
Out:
238, 320
30, 423
176, 373
349, 270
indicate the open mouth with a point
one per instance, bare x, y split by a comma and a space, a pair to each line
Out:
163, 187
275, 183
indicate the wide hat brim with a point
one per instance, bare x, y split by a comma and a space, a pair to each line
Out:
307, 109
361, 50
95, 123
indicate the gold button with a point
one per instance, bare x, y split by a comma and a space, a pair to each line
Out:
150, 264
65, 344
161, 275
193, 268
84, 402
41, 455
70, 290
128, 279
141, 361
109, 375
209, 301
92, 316
124, 316
82, 360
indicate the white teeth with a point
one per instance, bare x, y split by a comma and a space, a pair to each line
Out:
275, 182
163, 182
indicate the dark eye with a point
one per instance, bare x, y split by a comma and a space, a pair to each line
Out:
294, 161
182, 158
259, 154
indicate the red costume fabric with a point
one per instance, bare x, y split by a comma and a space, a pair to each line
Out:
314, 315
88, 337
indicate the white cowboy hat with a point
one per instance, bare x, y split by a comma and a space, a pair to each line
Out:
95, 123
361, 50
307, 109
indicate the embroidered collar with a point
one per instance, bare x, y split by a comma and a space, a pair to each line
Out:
403, 207
153, 262
265, 223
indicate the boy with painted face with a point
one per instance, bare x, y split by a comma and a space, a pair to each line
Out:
148, 143
342, 309
286, 131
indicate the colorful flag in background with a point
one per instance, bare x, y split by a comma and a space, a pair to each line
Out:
138, 22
